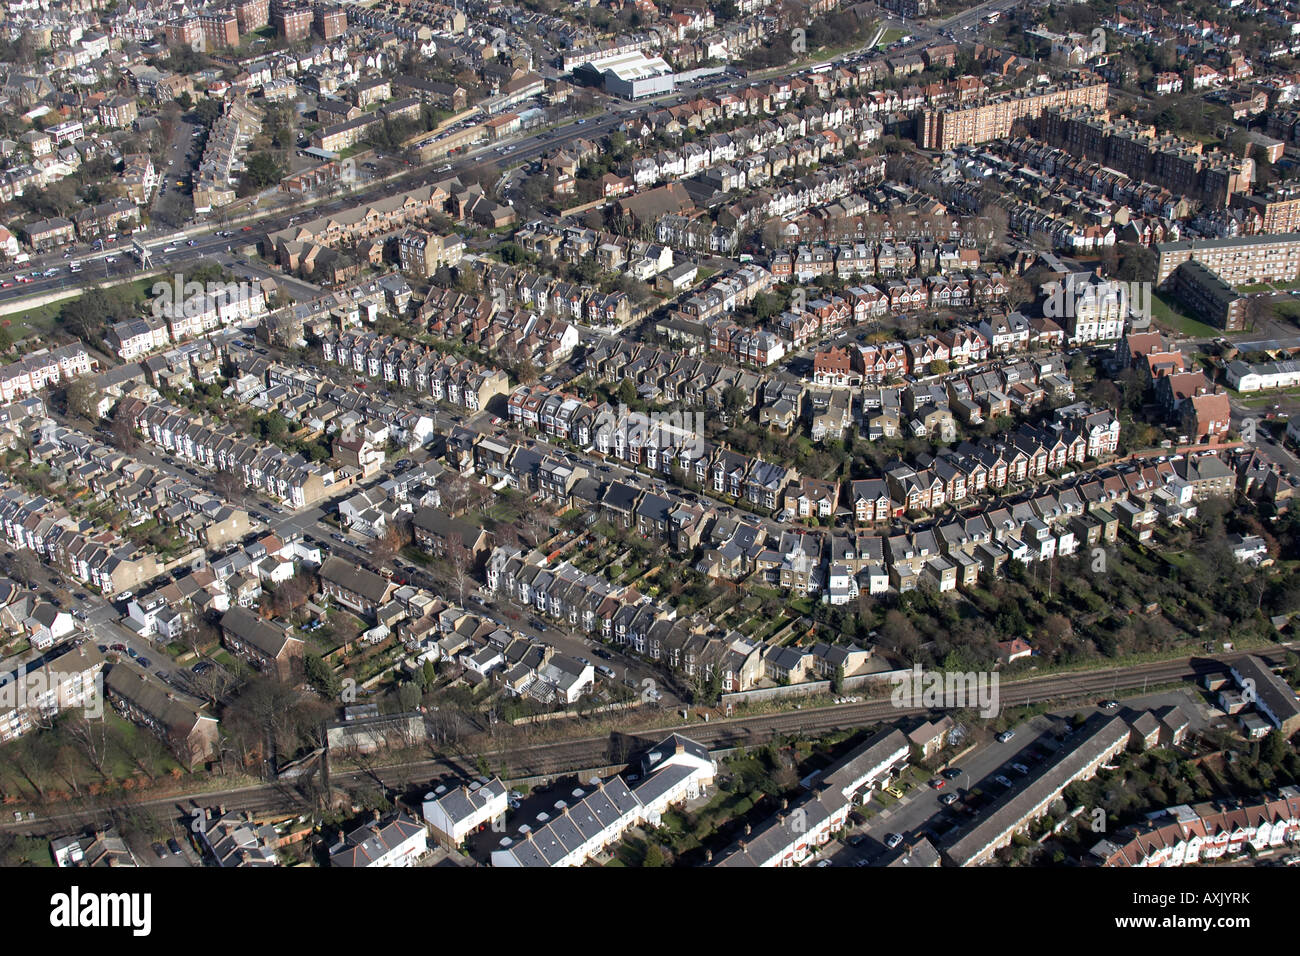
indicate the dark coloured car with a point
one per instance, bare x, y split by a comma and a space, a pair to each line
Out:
143, 662
160, 851
952, 773
174, 847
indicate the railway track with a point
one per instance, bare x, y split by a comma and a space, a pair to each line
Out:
569, 756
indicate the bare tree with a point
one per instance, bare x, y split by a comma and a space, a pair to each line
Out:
123, 434
534, 522
459, 562
92, 740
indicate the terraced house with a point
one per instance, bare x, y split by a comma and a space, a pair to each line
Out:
288, 478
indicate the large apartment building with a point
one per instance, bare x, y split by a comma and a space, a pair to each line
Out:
1274, 211
1135, 149
1239, 260
994, 118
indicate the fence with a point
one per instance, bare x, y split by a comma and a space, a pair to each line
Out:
810, 688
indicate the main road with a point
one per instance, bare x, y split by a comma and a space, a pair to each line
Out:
211, 240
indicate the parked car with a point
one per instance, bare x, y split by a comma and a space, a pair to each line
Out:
948, 799
952, 773
160, 851
174, 847
893, 840
938, 783
1002, 779
144, 662
1005, 736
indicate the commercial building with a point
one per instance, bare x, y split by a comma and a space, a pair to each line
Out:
632, 75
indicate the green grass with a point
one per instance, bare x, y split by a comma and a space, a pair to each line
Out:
1288, 310
41, 320
1165, 313
892, 34
1265, 397
1270, 286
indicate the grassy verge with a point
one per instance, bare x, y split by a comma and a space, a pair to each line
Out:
1167, 314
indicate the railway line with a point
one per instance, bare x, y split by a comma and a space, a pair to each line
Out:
587, 753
